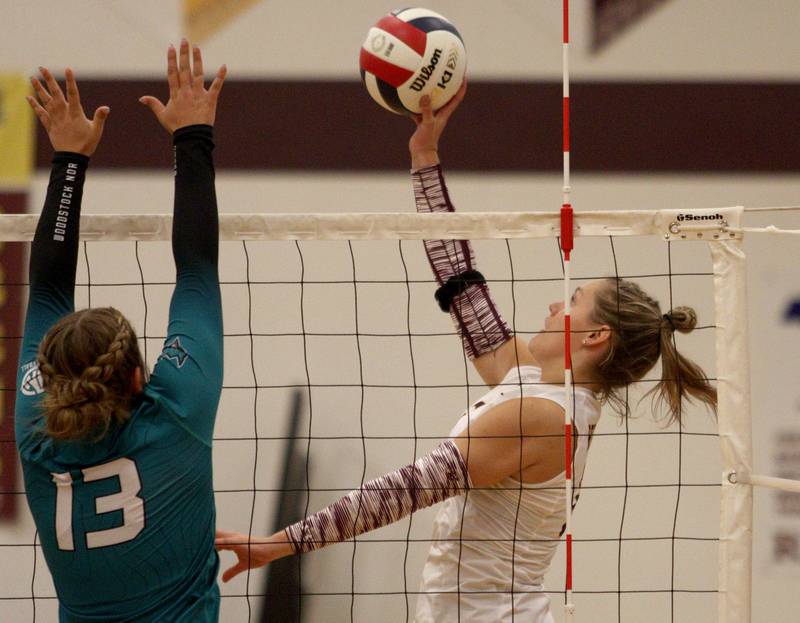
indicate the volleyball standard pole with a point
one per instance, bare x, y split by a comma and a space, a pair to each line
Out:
566, 248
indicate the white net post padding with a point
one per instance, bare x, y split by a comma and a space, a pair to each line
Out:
735, 432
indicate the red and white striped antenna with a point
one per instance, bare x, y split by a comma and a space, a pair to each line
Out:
566, 248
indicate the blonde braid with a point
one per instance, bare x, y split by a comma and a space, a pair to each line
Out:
85, 400
106, 364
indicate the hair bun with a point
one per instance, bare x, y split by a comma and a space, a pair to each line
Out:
682, 319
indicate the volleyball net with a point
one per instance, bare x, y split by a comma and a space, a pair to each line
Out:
334, 344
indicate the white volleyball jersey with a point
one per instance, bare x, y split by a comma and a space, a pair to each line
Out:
468, 573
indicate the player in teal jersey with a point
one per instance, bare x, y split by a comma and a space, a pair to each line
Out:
118, 466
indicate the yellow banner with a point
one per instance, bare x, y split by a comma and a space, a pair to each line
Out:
16, 131
203, 18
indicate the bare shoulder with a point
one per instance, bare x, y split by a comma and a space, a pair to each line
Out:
542, 417
515, 435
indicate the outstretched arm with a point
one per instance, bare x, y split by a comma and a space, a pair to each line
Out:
462, 289
188, 375
54, 251
380, 502
189, 117
513, 436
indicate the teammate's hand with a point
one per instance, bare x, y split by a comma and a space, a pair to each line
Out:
189, 101
63, 117
252, 553
424, 143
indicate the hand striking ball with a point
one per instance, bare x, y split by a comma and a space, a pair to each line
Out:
410, 53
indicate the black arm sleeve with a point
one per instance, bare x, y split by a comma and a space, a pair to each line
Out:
54, 252
54, 257
188, 375
195, 229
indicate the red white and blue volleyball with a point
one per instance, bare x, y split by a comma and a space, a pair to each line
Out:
410, 53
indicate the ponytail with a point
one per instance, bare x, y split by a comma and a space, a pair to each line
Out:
679, 375
639, 336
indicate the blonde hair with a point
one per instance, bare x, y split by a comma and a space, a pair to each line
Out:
640, 334
87, 361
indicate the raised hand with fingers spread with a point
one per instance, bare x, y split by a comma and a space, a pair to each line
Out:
190, 103
63, 117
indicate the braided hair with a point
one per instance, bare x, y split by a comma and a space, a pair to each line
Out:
87, 361
640, 334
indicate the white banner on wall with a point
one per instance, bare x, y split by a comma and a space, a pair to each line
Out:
785, 457
775, 338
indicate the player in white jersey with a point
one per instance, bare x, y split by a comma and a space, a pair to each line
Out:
501, 472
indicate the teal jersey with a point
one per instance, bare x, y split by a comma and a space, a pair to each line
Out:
127, 523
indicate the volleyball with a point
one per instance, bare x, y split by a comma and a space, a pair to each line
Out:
410, 53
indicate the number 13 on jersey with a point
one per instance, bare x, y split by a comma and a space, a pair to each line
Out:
125, 500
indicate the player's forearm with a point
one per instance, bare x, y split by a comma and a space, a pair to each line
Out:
54, 251
463, 291
380, 502
447, 257
279, 546
430, 190
267, 549
195, 229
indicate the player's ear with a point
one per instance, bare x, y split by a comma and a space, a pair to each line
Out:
603, 334
598, 336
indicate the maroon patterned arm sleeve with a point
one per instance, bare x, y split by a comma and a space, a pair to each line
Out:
474, 313
431, 479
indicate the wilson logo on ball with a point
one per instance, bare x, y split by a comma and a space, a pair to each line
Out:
426, 72
410, 53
